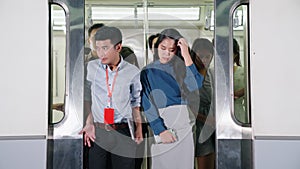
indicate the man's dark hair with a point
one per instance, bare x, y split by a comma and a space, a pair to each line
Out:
112, 33
94, 26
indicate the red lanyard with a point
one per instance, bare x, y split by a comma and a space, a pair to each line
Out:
113, 83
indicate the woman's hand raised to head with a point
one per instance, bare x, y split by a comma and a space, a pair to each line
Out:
184, 47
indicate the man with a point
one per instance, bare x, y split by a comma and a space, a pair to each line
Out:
115, 93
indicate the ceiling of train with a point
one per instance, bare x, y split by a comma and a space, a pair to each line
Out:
199, 16
162, 13
153, 2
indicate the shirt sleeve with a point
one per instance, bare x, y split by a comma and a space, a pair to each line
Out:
87, 85
136, 88
193, 79
151, 112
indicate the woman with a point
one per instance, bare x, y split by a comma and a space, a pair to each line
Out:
166, 83
205, 147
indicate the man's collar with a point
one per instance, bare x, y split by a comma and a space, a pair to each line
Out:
120, 65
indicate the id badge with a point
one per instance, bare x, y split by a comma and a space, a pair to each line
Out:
109, 115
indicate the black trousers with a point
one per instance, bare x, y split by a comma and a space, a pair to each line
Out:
112, 149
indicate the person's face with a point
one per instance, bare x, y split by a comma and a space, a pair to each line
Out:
107, 52
166, 50
91, 39
205, 57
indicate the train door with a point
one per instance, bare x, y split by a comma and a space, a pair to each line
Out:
137, 20
232, 90
220, 21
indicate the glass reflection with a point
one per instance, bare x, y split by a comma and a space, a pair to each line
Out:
58, 57
240, 64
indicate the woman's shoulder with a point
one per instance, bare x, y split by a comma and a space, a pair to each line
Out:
151, 65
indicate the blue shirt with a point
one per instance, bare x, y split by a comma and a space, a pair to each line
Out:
126, 93
160, 90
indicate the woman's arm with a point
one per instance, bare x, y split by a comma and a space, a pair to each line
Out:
151, 112
185, 52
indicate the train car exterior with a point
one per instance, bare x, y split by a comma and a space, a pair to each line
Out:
24, 84
275, 84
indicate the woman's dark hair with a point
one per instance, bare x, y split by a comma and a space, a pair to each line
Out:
198, 45
236, 53
177, 61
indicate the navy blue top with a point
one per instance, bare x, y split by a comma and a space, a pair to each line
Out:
160, 90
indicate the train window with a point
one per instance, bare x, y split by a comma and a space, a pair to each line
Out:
138, 20
126, 15
241, 64
136, 12
57, 64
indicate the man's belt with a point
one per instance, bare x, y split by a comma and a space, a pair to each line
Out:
109, 127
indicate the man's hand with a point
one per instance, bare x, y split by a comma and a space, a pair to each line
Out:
138, 135
89, 134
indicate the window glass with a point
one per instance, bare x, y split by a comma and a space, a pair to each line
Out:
241, 64
57, 64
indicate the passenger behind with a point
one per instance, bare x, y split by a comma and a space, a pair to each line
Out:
151, 41
200, 104
166, 83
115, 100
91, 42
129, 56
239, 85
